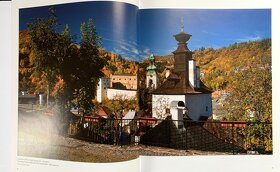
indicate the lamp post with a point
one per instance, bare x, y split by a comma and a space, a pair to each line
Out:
185, 119
121, 113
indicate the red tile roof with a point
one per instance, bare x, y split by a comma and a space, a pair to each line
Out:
103, 111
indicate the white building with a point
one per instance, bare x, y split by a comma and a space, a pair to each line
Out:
151, 75
102, 86
117, 86
183, 85
113, 93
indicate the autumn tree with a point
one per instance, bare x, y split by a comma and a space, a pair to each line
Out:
66, 82
251, 95
68, 72
251, 100
89, 66
121, 102
219, 65
25, 65
49, 50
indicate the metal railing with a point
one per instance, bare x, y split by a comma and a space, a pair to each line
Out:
231, 137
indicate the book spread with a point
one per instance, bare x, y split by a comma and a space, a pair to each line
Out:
141, 85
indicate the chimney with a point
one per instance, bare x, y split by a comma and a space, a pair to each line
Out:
197, 77
192, 73
167, 72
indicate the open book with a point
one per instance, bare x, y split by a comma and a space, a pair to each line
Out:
141, 86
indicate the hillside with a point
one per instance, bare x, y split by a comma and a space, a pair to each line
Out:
117, 64
219, 66
241, 75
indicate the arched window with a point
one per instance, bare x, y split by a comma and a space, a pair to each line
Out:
150, 82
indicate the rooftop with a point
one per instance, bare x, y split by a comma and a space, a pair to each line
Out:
177, 83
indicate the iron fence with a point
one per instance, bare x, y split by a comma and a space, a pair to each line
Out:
219, 136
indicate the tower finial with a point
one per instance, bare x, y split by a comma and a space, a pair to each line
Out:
182, 24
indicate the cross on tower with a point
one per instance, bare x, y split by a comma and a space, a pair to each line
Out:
182, 24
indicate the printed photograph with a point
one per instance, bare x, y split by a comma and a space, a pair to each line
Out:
107, 82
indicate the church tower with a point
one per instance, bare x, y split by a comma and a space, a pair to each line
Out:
183, 88
151, 75
182, 54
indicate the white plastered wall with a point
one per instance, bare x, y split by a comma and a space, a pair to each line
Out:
123, 94
154, 78
101, 92
192, 73
196, 104
161, 102
199, 105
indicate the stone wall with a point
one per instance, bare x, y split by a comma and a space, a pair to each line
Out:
158, 136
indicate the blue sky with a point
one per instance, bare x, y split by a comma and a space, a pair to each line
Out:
115, 22
209, 28
119, 23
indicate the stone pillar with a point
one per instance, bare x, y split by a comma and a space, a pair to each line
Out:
177, 111
192, 73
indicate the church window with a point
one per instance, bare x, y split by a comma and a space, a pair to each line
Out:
206, 108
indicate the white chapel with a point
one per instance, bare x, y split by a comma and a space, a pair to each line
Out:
183, 93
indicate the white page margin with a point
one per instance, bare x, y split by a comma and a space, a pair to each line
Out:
126, 166
205, 4
7, 131
236, 162
35, 3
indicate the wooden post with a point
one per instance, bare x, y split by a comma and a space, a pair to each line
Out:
186, 126
232, 133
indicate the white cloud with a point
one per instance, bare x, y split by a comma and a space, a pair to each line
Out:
135, 51
147, 51
118, 51
124, 47
249, 38
127, 49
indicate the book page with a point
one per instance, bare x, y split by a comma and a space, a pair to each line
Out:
213, 25
7, 130
104, 27
150, 100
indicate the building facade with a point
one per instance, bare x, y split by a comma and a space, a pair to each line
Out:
124, 81
113, 93
117, 87
183, 85
102, 86
151, 75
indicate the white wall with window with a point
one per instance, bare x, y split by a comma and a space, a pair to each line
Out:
198, 105
102, 86
121, 94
